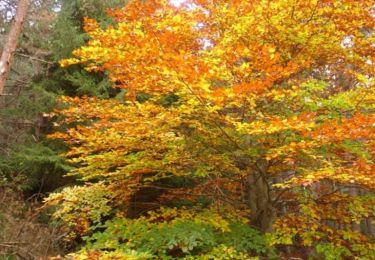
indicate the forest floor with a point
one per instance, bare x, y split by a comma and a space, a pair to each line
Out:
24, 232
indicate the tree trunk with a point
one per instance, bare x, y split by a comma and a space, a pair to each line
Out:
263, 213
353, 191
11, 43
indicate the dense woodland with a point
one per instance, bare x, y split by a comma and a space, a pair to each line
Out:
196, 129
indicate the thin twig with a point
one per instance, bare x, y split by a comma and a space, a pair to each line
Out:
34, 58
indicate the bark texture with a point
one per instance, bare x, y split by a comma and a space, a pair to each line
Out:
260, 200
11, 42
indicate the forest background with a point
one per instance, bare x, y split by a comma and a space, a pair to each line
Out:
310, 148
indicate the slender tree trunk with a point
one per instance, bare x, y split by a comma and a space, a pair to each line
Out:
11, 43
263, 213
353, 191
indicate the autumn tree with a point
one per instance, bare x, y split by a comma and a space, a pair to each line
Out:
262, 112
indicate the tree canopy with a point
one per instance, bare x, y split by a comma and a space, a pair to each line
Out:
230, 118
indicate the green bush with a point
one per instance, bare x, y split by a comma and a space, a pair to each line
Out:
170, 234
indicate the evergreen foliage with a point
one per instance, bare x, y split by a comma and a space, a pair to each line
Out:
35, 82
